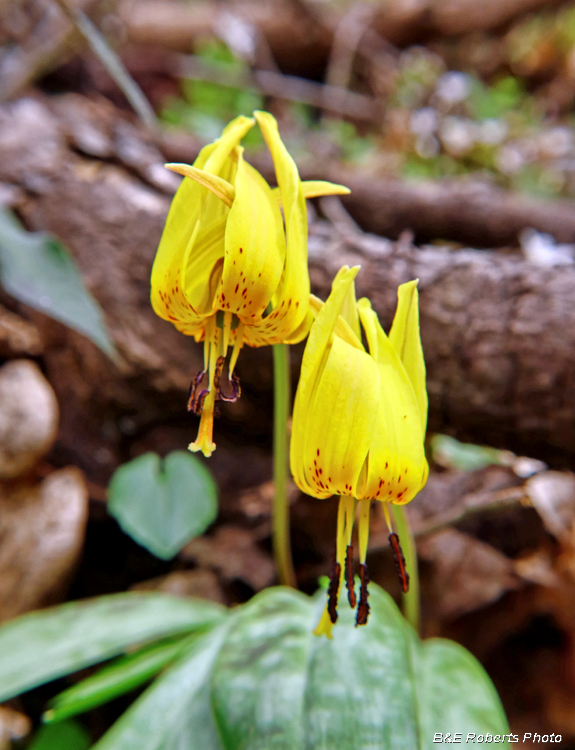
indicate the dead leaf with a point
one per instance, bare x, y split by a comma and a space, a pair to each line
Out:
234, 553
469, 573
553, 496
200, 583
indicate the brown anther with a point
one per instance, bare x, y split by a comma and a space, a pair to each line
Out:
199, 403
399, 561
234, 381
333, 591
349, 576
192, 391
363, 606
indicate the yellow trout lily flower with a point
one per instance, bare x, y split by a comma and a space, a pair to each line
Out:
359, 421
229, 271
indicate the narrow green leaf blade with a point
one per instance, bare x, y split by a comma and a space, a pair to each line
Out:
69, 735
41, 646
125, 674
163, 504
175, 712
36, 269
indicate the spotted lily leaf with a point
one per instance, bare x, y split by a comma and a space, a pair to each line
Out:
262, 680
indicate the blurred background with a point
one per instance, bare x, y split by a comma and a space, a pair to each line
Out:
452, 123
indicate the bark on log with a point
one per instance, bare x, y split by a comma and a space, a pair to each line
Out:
498, 333
498, 336
294, 34
464, 210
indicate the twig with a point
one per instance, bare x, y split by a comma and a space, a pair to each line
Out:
290, 88
102, 49
500, 501
346, 40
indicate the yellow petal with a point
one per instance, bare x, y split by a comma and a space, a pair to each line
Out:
231, 136
397, 466
191, 203
349, 312
406, 340
292, 298
314, 358
254, 247
340, 422
316, 188
220, 188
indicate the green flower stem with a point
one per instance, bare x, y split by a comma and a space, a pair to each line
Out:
410, 601
281, 540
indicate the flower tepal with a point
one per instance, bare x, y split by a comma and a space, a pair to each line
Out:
228, 271
359, 421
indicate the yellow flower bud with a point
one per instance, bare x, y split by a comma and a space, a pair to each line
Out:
360, 416
229, 270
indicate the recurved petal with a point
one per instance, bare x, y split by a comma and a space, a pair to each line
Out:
349, 312
397, 468
292, 298
317, 188
314, 359
254, 247
222, 189
188, 206
406, 340
231, 136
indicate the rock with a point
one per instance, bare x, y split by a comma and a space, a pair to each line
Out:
28, 417
234, 554
13, 726
42, 530
18, 336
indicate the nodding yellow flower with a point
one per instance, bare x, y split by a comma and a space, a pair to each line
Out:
229, 271
359, 422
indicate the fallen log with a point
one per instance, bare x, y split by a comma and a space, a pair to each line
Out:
297, 29
464, 210
498, 332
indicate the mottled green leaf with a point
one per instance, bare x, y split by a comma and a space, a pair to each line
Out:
264, 682
41, 646
175, 713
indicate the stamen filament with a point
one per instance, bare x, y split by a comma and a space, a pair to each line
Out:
239, 342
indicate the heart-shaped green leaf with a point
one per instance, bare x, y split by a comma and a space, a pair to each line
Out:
163, 504
41, 646
262, 681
